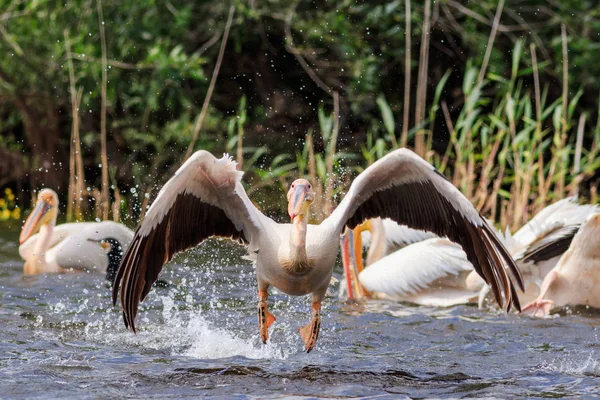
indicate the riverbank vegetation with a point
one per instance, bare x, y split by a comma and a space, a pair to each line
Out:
103, 100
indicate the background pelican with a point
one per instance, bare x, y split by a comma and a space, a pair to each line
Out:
540, 243
206, 198
427, 270
431, 271
94, 246
576, 278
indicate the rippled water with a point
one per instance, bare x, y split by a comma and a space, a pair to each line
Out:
61, 338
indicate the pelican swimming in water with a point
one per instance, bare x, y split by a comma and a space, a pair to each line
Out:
426, 270
575, 280
429, 270
206, 198
92, 246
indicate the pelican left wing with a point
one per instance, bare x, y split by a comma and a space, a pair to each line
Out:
204, 198
405, 188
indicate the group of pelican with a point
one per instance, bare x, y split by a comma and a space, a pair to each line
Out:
428, 244
421, 268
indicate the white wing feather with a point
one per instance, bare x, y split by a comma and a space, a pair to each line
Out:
415, 268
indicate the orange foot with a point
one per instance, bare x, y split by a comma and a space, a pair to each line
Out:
538, 308
310, 333
265, 320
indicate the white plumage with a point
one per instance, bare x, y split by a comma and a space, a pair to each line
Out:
205, 198
575, 280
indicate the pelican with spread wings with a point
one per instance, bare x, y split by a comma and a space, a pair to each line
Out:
206, 198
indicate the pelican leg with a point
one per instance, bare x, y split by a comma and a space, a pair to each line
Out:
265, 318
310, 332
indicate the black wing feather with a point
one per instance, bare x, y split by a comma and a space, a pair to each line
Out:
551, 245
187, 223
437, 214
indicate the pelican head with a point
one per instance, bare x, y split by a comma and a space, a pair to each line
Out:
44, 213
300, 196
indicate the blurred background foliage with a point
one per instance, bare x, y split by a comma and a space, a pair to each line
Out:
275, 103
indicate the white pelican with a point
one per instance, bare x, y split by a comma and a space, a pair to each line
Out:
429, 272
438, 278
539, 244
205, 198
96, 246
576, 278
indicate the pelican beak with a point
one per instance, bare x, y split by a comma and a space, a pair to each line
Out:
102, 243
41, 215
352, 259
299, 200
347, 240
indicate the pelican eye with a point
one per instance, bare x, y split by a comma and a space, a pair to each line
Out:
293, 186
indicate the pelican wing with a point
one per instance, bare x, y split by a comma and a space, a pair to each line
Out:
417, 267
561, 213
405, 188
204, 198
552, 244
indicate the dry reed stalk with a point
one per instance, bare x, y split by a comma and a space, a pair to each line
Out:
490, 43
116, 206
576, 172
331, 152
481, 194
493, 198
96, 195
452, 133
104, 200
240, 150
81, 190
211, 86
407, 72
76, 177
516, 187
422, 81
503, 213
536, 86
312, 173
560, 187
145, 202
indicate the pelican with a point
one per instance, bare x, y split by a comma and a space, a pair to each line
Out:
94, 246
539, 244
438, 278
427, 270
206, 198
576, 278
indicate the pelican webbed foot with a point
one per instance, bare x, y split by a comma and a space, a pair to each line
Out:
538, 308
310, 332
265, 318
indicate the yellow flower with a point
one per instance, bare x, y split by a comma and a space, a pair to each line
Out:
7, 191
16, 213
10, 196
2, 203
4, 215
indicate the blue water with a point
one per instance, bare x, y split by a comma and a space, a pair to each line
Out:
60, 337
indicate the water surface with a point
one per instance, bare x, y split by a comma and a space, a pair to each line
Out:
60, 337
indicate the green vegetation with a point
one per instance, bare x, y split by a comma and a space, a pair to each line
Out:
502, 98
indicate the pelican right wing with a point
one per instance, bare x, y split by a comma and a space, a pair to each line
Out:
204, 198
